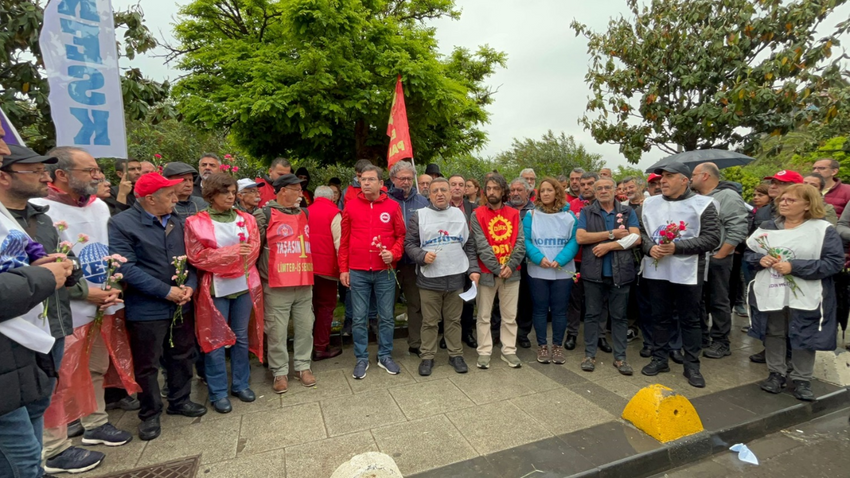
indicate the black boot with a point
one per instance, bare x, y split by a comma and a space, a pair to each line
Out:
774, 383
570, 343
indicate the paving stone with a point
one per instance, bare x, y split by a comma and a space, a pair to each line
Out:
497, 426
260, 465
601, 397
544, 458
424, 399
329, 384
321, 458
214, 440
360, 412
486, 386
623, 386
423, 444
288, 426
562, 411
377, 379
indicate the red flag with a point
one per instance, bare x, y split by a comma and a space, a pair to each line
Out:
400, 147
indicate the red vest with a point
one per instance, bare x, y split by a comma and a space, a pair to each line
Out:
500, 228
322, 213
290, 256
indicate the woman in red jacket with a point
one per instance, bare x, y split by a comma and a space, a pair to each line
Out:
223, 244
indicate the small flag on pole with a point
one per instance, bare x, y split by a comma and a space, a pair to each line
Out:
400, 147
12, 136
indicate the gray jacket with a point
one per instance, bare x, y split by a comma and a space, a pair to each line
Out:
732, 216
417, 254
484, 251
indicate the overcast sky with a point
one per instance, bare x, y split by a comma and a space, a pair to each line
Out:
542, 87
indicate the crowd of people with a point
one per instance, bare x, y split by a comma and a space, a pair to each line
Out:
181, 270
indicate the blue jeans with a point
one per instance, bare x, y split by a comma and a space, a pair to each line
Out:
20, 450
36, 409
549, 295
363, 284
236, 312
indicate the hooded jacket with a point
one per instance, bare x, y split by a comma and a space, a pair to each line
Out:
409, 205
732, 214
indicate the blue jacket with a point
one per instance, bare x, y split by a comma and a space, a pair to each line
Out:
808, 329
533, 254
408, 205
149, 248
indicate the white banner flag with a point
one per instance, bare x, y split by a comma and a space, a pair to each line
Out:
81, 59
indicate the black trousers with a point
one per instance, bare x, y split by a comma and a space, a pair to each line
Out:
524, 307
671, 300
467, 317
715, 301
151, 342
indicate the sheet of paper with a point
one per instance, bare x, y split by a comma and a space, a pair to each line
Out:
470, 294
745, 454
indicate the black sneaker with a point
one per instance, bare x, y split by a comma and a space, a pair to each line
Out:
676, 356
414, 351
646, 352
632, 334
459, 364
523, 341
425, 367
803, 390
106, 434
774, 383
694, 377
149, 429
655, 367
717, 350
74, 460
758, 358
570, 343
187, 409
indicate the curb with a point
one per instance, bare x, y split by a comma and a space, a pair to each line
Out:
705, 444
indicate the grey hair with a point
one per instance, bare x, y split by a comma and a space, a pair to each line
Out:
361, 164
578, 170
324, 192
65, 155
524, 183
636, 179
401, 166
561, 178
527, 170
588, 175
209, 155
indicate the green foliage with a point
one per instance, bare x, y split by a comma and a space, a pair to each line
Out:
748, 178
626, 171
24, 88
700, 73
549, 156
315, 78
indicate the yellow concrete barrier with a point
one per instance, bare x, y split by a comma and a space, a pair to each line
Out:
662, 414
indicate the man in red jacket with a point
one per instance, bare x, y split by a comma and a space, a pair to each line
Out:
834, 192
325, 223
372, 242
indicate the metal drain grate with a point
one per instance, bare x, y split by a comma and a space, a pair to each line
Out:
182, 468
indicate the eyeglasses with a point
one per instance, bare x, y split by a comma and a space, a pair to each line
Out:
605, 188
294, 189
91, 171
409, 179
37, 172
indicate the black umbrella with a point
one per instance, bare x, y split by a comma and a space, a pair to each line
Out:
720, 157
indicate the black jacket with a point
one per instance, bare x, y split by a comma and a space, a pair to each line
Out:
622, 262
114, 206
24, 374
39, 226
417, 254
149, 249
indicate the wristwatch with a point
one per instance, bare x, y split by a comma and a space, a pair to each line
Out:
611, 234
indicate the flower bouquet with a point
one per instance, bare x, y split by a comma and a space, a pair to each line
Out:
669, 234
181, 273
243, 238
63, 248
775, 253
113, 262
376, 242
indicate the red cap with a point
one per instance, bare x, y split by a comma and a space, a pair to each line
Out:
652, 177
151, 183
787, 176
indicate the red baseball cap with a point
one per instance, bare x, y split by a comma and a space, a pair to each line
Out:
786, 176
652, 177
151, 183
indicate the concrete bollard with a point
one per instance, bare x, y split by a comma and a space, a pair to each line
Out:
833, 367
368, 465
662, 414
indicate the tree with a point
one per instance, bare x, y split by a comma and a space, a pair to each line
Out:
549, 156
695, 74
623, 172
314, 78
24, 88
